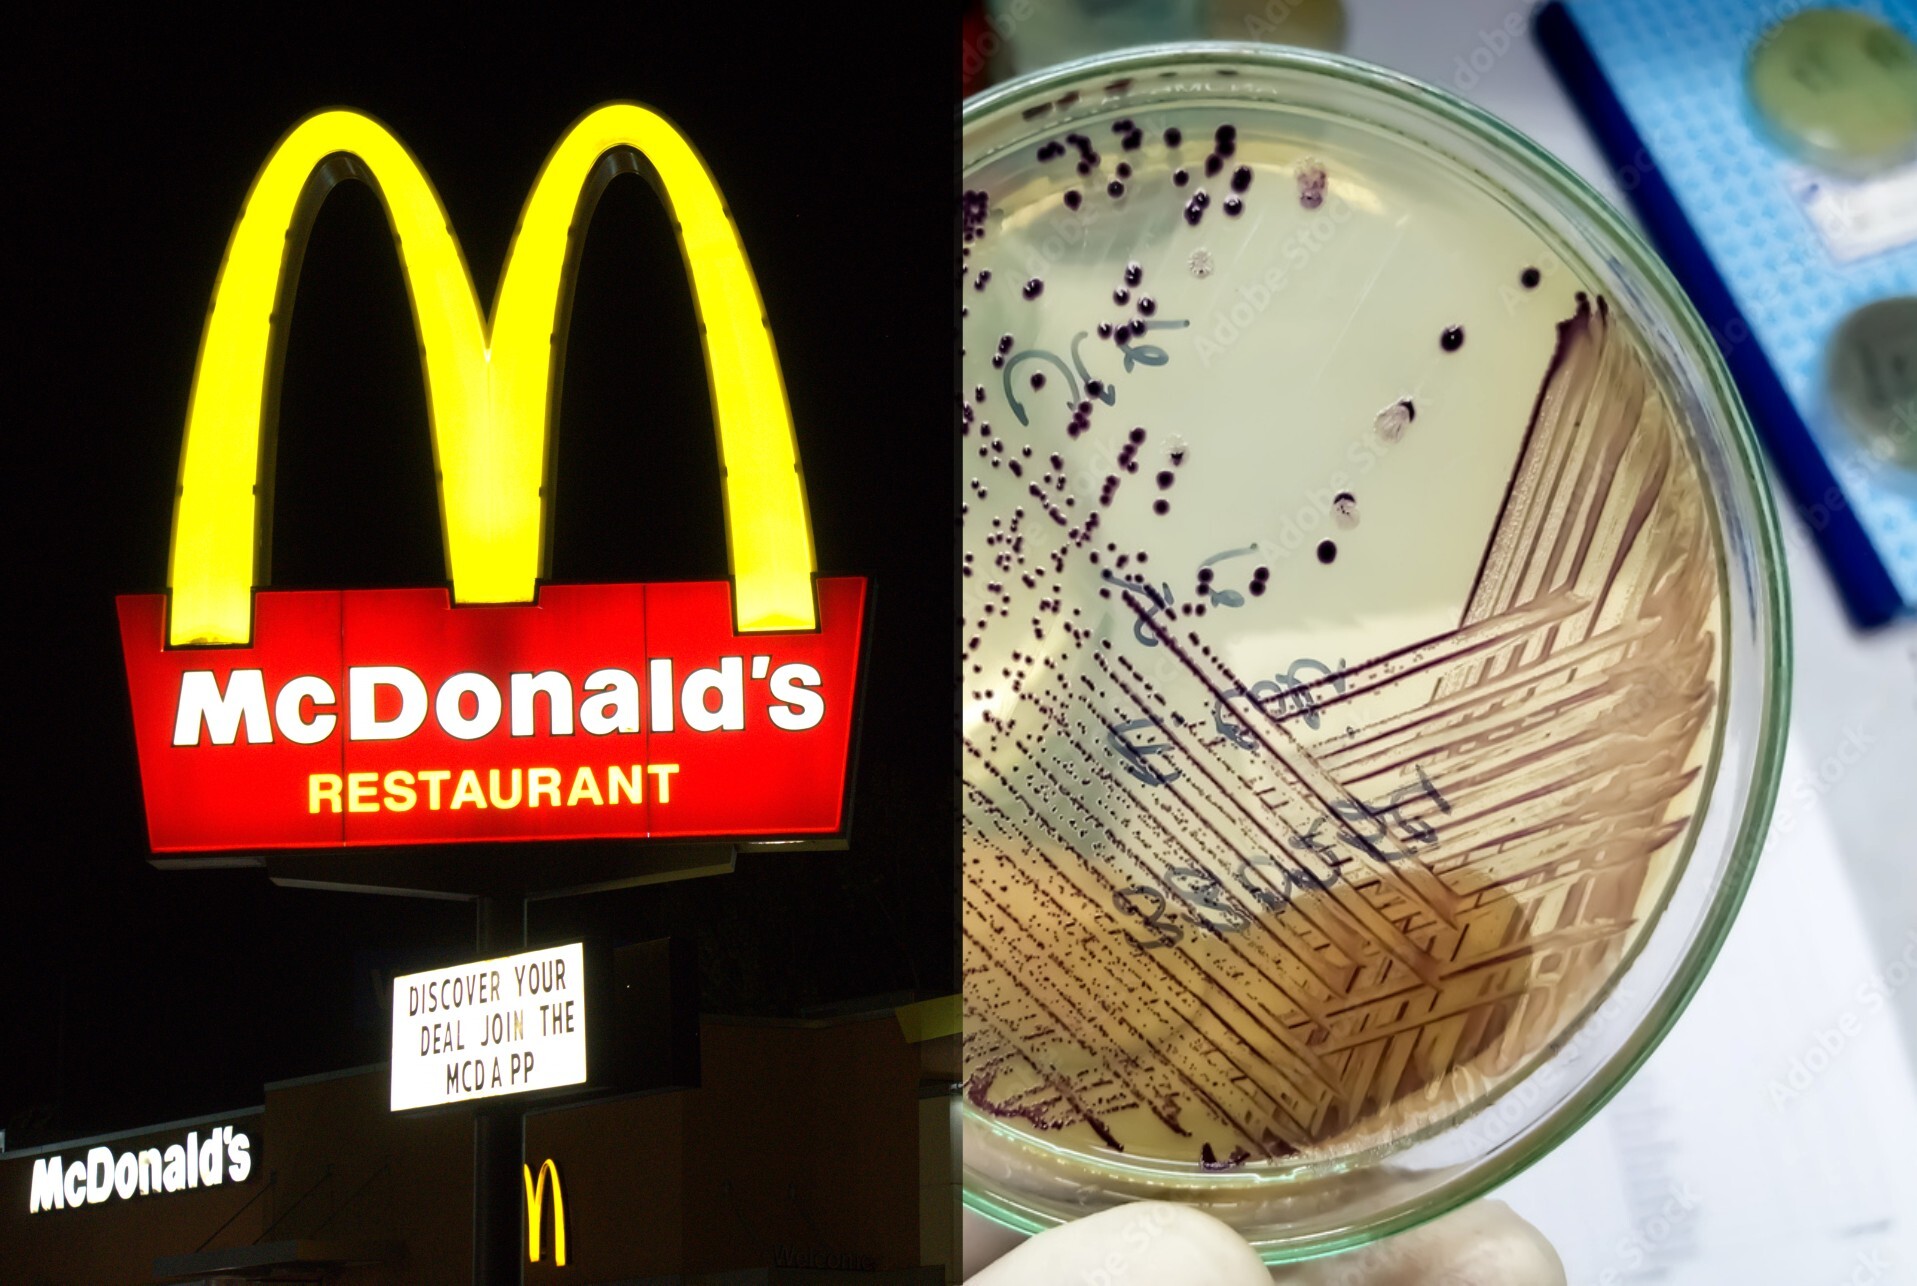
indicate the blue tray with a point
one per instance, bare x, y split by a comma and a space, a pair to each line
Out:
1746, 230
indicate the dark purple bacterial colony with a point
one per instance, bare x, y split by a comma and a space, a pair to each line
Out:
1049, 375
1059, 569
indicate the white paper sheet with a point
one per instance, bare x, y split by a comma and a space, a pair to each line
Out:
1772, 1138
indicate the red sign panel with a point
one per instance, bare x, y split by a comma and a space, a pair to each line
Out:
384, 717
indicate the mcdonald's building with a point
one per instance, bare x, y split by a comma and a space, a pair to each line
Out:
470, 834
781, 1166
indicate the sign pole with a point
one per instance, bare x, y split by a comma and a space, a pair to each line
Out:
497, 1127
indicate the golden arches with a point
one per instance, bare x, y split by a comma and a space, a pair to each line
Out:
490, 384
535, 1209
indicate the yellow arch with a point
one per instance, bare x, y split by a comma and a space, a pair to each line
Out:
535, 1207
489, 384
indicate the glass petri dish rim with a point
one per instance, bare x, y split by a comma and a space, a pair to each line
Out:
1769, 591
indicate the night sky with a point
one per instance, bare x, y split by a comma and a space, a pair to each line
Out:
134, 995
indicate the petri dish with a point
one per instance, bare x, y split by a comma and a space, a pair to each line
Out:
1871, 378
1838, 89
1374, 669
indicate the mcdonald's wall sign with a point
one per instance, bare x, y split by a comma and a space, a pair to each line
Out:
498, 706
535, 1209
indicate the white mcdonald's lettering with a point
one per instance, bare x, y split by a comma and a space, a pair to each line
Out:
802, 708
363, 684
225, 1155
202, 704
614, 707
558, 691
293, 700
470, 705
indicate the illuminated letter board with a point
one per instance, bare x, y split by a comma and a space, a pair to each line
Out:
511, 1025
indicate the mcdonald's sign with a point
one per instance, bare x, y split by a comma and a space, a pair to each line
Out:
535, 1208
497, 706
